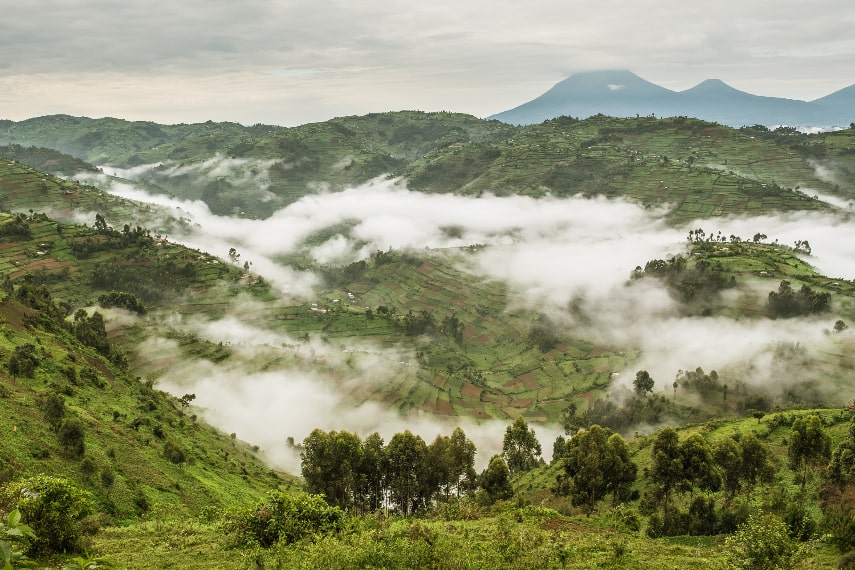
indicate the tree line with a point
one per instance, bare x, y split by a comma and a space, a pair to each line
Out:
407, 474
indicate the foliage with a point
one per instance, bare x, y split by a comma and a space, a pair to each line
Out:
330, 465
282, 517
596, 462
542, 334
80, 563
53, 507
123, 300
839, 524
841, 469
407, 460
72, 435
14, 537
762, 543
54, 409
173, 452
495, 481
24, 361
520, 447
809, 445
643, 383
786, 303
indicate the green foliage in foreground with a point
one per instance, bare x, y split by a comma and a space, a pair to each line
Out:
13, 540
53, 507
282, 519
762, 543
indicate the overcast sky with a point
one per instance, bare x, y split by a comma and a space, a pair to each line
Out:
290, 62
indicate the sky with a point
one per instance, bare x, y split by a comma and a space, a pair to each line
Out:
289, 62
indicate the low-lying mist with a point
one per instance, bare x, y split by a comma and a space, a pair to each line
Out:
570, 259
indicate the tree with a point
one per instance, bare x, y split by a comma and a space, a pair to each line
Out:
461, 458
699, 469
841, 469
758, 462
330, 465
762, 543
643, 383
667, 470
728, 457
810, 445
495, 480
520, 448
24, 361
406, 454
596, 462
371, 478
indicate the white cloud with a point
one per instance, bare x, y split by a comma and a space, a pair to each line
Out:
195, 62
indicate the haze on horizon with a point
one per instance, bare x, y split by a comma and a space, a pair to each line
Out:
291, 63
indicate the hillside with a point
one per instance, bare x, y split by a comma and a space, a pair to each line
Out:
702, 168
426, 338
127, 425
451, 342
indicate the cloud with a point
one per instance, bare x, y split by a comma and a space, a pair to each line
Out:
569, 258
290, 62
265, 407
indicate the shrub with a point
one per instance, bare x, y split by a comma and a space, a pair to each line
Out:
839, 523
53, 507
286, 518
54, 408
173, 452
763, 542
71, 436
24, 361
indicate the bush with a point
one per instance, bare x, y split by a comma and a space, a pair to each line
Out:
173, 452
54, 408
286, 518
53, 507
761, 543
24, 361
839, 524
71, 436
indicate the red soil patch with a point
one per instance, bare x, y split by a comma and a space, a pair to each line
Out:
439, 381
597, 351
522, 403
444, 407
589, 398
529, 381
469, 390
47, 264
15, 315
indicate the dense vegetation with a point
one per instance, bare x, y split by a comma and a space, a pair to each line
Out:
757, 476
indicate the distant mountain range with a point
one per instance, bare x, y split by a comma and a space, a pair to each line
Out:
625, 94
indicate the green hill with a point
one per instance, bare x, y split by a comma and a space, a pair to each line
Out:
702, 169
449, 343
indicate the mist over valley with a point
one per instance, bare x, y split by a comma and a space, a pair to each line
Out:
415, 273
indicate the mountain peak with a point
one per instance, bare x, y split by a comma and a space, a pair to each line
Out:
622, 93
606, 81
712, 86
